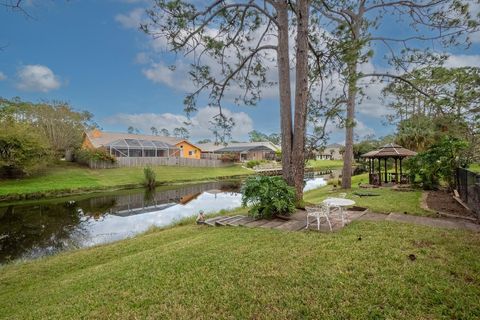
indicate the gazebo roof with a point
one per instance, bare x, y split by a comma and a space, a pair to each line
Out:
390, 150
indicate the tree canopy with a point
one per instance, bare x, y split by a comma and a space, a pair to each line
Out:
57, 121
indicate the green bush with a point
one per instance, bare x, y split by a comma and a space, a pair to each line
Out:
150, 177
23, 150
439, 163
252, 163
268, 196
334, 182
85, 155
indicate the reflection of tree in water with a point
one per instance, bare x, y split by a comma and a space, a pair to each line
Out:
149, 197
231, 186
45, 228
97, 207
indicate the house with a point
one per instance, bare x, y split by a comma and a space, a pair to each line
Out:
331, 152
244, 151
139, 145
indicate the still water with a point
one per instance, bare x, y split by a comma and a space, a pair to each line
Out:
40, 228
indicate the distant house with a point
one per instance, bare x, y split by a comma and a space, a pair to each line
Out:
244, 151
331, 152
139, 145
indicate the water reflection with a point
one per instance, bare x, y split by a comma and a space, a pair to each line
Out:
43, 228
30, 231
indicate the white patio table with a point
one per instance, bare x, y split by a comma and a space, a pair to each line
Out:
339, 203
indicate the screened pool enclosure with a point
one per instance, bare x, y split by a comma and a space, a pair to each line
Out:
141, 148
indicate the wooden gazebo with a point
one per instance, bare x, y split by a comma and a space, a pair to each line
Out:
391, 150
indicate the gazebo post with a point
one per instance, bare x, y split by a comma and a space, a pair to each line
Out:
396, 171
369, 171
379, 171
372, 170
401, 169
385, 164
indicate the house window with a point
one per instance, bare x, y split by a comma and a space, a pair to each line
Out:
190, 153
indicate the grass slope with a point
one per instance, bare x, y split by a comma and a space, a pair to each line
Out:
475, 167
69, 176
387, 201
325, 164
199, 272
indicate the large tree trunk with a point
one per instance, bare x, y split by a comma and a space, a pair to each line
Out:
349, 125
352, 62
301, 98
285, 91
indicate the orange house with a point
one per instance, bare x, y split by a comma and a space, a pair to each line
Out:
188, 150
139, 145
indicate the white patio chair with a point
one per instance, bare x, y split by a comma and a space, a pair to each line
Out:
318, 212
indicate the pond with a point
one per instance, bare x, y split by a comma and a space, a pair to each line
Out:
35, 229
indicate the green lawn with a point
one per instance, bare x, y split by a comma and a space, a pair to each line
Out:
325, 164
475, 167
193, 272
68, 177
387, 201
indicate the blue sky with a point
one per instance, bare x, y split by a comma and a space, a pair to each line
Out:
90, 54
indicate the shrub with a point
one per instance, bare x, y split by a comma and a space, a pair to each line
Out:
253, 163
359, 169
150, 177
23, 150
268, 196
439, 163
86, 155
334, 182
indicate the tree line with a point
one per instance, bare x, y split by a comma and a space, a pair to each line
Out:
33, 135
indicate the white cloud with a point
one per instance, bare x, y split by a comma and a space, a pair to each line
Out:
174, 78
361, 129
131, 20
462, 60
37, 78
2, 76
200, 122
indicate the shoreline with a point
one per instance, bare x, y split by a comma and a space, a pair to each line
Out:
63, 193
67, 192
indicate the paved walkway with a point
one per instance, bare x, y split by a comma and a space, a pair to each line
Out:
297, 221
451, 223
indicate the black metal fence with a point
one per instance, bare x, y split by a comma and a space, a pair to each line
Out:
468, 186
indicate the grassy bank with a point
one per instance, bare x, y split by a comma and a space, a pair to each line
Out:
475, 167
325, 164
387, 200
68, 178
201, 272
